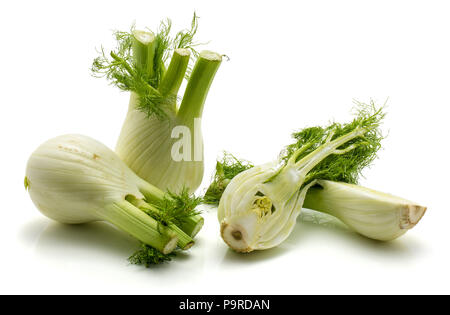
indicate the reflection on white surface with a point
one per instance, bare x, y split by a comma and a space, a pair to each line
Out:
313, 227
97, 240
311, 222
319, 247
94, 240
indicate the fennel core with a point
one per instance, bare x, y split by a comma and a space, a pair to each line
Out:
139, 64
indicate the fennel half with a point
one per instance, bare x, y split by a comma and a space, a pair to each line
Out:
148, 140
373, 214
75, 179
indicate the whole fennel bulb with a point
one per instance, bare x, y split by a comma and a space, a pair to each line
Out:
161, 141
75, 179
147, 144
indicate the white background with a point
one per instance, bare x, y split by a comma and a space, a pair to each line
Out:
292, 64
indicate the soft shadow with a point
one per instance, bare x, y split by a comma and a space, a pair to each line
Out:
29, 233
256, 256
312, 226
284, 248
91, 239
208, 208
311, 223
83, 243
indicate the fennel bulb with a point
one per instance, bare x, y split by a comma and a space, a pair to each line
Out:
259, 206
161, 141
373, 214
75, 179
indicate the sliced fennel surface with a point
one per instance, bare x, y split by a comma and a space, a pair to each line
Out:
75, 179
373, 214
259, 206
161, 139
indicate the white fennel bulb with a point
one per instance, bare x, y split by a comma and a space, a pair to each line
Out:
75, 179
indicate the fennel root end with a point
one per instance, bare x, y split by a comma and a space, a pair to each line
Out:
235, 237
410, 215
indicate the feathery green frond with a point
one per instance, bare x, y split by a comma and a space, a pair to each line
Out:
149, 256
173, 211
163, 48
185, 39
345, 167
354, 155
226, 169
176, 208
122, 70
